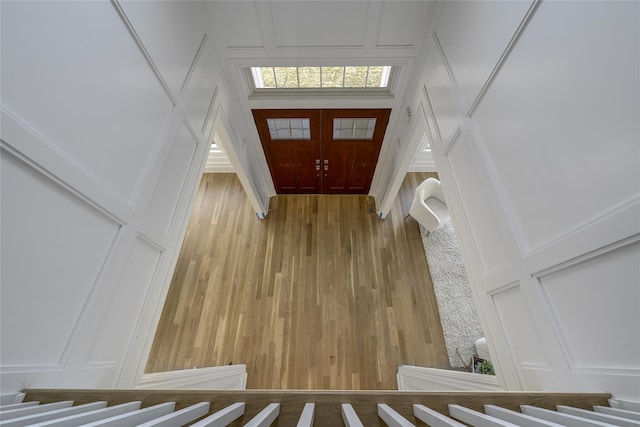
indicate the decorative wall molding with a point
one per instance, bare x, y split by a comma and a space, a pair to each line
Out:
611, 217
147, 305
35, 368
33, 149
463, 217
596, 258
503, 57
503, 333
184, 188
72, 195
498, 187
416, 378
586, 256
194, 64
231, 377
208, 116
78, 355
430, 119
449, 144
127, 23
460, 152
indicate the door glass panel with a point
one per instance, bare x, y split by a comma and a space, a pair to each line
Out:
289, 129
360, 128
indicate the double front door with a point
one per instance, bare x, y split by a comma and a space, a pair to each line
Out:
322, 151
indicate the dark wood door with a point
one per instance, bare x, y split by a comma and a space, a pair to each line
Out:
291, 140
351, 141
322, 151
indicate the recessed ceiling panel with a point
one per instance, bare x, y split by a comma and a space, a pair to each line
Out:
319, 23
236, 22
404, 23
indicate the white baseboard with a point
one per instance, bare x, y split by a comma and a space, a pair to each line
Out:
415, 378
231, 377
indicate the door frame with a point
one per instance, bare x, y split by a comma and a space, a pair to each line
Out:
321, 143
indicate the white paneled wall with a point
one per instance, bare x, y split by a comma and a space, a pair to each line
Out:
532, 110
107, 118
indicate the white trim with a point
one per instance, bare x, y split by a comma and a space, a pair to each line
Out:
416, 378
11, 398
627, 405
231, 377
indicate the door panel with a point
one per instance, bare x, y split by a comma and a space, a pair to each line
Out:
291, 151
335, 153
351, 144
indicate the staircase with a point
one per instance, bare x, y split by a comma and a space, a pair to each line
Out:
167, 408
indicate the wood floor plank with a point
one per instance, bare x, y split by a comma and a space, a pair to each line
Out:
320, 295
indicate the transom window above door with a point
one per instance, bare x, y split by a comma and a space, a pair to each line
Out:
369, 77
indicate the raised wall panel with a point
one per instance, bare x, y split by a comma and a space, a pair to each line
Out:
54, 248
236, 23
464, 161
596, 301
202, 91
171, 33
441, 94
472, 54
79, 58
168, 192
319, 23
129, 297
560, 120
403, 23
518, 327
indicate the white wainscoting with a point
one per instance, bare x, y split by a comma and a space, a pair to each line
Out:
172, 180
47, 232
104, 139
133, 106
533, 112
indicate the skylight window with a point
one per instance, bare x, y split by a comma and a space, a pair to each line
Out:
340, 77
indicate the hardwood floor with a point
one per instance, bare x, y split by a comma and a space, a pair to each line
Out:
320, 295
